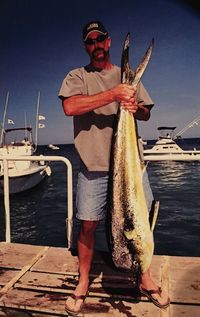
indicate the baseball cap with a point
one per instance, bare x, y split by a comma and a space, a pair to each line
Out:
93, 26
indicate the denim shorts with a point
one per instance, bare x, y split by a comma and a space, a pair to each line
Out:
92, 192
91, 198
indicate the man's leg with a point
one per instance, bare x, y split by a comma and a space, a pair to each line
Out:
91, 204
85, 254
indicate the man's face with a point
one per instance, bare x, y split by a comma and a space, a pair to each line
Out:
97, 46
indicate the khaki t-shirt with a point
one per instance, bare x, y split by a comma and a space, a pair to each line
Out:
93, 130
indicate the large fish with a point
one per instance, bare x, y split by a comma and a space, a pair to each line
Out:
132, 238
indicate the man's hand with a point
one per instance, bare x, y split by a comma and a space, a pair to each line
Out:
126, 95
131, 106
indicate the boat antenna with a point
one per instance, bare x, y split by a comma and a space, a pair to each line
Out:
4, 118
25, 126
188, 126
36, 121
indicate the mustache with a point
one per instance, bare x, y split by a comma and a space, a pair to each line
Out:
96, 50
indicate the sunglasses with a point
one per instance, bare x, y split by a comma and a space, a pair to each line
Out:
98, 39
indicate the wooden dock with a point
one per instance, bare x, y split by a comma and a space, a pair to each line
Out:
36, 280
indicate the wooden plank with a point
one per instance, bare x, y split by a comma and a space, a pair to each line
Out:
182, 261
6, 275
14, 313
94, 306
120, 308
165, 283
54, 304
52, 282
35, 301
58, 283
15, 255
184, 311
10, 284
185, 280
37, 279
58, 260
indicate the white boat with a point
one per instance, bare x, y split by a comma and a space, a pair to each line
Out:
166, 149
53, 147
23, 175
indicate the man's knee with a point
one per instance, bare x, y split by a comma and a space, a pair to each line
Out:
88, 227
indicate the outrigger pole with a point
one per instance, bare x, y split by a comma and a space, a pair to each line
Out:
194, 122
4, 118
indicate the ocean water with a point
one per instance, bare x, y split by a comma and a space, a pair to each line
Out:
38, 215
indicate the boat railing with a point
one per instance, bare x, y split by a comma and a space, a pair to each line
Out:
6, 158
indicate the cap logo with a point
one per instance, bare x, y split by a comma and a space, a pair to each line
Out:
93, 25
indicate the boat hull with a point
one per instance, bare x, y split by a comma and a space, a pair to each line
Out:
24, 182
190, 156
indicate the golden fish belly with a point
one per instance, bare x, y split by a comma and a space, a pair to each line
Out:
131, 234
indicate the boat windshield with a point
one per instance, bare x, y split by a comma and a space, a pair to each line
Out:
17, 136
165, 132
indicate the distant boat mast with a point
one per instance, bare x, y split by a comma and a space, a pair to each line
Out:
36, 121
4, 118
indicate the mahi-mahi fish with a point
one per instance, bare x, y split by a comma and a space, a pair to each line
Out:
132, 238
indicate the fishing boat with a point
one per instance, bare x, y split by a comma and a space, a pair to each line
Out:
167, 149
22, 174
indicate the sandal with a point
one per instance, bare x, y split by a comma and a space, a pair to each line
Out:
149, 293
76, 298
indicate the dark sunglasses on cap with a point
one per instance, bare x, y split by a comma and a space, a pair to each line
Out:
99, 39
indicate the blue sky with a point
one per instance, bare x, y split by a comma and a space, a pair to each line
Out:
41, 41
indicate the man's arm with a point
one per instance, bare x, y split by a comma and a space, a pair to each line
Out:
143, 112
80, 104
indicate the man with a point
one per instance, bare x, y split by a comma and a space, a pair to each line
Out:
92, 95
